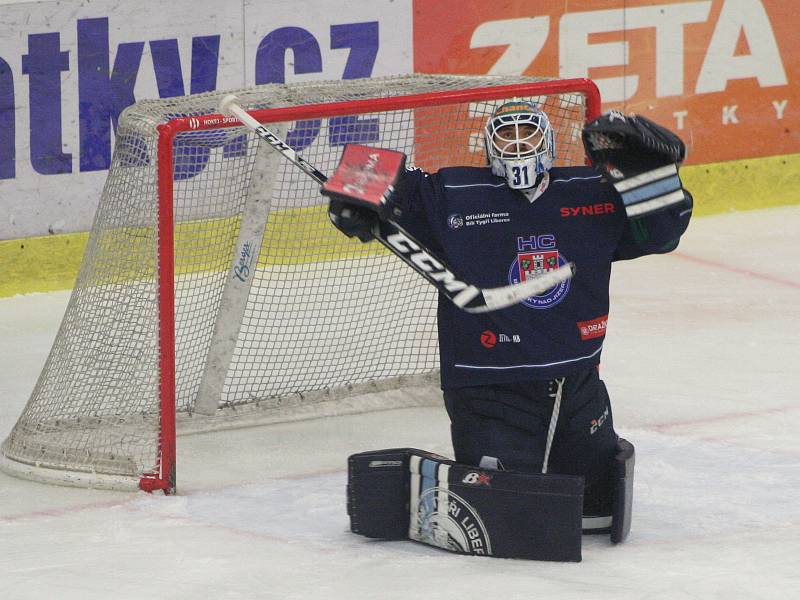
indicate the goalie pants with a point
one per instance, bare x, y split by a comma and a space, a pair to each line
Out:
510, 423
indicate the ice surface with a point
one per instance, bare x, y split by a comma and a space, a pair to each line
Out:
701, 362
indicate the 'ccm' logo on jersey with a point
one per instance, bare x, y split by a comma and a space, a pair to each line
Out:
590, 210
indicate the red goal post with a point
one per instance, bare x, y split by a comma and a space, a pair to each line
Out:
226, 341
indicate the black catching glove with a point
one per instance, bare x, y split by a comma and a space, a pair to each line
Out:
640, 158
361, 188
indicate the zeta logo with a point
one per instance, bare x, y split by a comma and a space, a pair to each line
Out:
536, 255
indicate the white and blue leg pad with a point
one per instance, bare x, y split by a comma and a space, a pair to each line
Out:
411, 494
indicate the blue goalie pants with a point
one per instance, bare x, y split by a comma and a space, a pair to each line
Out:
507, 426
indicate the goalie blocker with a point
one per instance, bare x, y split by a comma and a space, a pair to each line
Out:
361, 187
406, 493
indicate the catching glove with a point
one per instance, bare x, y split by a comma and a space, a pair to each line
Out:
640, 158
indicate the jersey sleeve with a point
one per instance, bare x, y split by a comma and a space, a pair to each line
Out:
417, 206
658, 233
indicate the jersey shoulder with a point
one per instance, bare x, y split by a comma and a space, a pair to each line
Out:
576, 184
576, 175
468, 176
580, 179
573, 177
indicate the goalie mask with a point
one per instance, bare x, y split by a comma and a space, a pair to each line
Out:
520, 144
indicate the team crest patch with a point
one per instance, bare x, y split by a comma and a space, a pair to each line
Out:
455, 221
446, 520
537, 255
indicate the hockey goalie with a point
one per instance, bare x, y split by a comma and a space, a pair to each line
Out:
537, 459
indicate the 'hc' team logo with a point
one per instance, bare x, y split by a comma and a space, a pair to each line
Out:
537, 255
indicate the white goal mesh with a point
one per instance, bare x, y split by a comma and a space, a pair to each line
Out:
273, 308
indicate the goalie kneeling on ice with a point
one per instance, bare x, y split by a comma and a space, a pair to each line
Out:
405, 493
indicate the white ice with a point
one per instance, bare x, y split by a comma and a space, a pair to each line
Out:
702, 364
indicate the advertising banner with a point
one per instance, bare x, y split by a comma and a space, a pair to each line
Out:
68, 69
722, 73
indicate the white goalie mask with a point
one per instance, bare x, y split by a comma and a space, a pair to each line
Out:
520, 143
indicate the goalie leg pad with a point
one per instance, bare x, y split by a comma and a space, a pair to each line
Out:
377, 493
613, 497
624, 462
465, 509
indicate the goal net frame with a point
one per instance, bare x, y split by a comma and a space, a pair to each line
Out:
163, 475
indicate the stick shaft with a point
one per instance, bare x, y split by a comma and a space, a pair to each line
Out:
405, 246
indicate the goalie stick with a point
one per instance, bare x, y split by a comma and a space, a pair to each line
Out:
466, 296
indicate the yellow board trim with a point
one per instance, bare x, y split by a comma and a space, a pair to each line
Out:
40, 264
746, 184
49, 263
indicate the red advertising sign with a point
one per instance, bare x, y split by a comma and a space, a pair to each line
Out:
721, 73
593, 329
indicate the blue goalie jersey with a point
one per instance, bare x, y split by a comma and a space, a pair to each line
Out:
493, 235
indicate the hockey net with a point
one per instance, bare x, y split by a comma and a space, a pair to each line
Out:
214, 288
